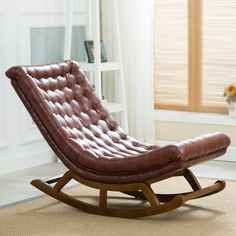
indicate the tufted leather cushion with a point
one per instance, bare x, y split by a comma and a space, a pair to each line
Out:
86, 137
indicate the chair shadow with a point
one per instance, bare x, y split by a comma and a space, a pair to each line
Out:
179, 214
184, 213
94, 200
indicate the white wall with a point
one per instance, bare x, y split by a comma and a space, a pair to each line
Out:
172, 126
21, 144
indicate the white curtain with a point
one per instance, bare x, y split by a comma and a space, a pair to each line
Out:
136, 24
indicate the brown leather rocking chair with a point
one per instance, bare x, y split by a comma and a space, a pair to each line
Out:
97, 152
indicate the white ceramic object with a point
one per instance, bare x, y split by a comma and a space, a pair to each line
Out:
232, 109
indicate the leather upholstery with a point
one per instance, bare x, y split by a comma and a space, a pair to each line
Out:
87, 139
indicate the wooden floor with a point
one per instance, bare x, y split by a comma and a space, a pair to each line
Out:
15, 187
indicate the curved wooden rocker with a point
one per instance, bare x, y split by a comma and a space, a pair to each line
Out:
159, 203
98, 153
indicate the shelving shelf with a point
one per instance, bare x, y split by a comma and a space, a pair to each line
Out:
113, 107
105, 66
95, 70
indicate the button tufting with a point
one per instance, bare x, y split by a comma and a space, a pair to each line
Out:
80, 113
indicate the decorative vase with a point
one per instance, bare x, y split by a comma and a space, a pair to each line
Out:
232, 109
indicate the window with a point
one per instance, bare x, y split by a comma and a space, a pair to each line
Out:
77, 44
47, 44
52, 50
194, 54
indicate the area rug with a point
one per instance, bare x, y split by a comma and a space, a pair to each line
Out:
213, 215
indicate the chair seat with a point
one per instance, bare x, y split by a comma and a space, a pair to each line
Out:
149, 157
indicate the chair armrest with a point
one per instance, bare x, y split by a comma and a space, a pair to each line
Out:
202, 145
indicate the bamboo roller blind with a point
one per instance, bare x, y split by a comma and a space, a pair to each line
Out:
217, 31
170, 52
219, 50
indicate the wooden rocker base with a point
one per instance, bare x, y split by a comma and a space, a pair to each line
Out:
159, 203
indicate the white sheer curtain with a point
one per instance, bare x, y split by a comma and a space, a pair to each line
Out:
136, 23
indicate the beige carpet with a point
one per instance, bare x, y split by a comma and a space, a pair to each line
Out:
214, 215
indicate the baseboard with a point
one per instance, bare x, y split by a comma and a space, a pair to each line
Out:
230, 155
27, 161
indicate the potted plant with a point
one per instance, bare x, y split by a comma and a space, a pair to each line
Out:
230, 94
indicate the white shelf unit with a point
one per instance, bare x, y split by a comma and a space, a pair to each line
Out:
113, 107
102, 67
98, 67
95, 69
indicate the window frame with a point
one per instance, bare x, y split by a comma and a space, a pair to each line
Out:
195, 47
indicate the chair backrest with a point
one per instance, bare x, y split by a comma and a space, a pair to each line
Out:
62, 101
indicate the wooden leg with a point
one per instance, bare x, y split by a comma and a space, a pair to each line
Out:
192, 180
139, 190
103, 198
62, 181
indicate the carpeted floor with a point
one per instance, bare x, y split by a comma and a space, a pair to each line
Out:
213, 215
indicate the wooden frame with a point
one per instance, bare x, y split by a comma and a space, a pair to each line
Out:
194, 65
195, 54
159, 203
